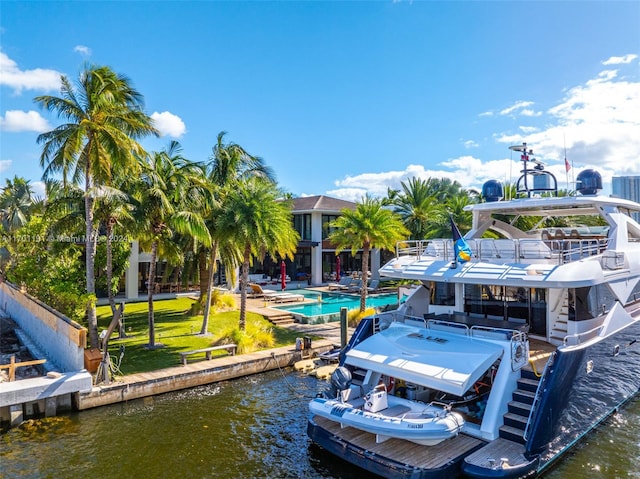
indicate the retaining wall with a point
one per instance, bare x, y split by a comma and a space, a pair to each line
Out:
198, 373
59, 339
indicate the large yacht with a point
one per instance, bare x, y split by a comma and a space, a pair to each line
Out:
517, 339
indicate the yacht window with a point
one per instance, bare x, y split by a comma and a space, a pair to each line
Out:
508, 302
590, 302
443, 294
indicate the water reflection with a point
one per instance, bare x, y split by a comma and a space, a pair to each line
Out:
249, 428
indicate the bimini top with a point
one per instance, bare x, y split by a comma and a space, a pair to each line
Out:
435, 359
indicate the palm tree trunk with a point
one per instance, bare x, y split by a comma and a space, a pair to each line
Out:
112, 301
365, 278
212, 272
243, 287
203, 272
90, 254
152, 283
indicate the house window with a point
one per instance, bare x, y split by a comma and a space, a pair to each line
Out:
326, 229
302, 224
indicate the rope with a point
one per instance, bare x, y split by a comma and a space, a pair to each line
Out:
286, 380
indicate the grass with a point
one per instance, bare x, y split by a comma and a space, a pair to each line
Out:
178, 330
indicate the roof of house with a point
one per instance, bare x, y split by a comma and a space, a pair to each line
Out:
321, 203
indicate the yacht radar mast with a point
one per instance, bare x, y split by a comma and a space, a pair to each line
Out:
542, 181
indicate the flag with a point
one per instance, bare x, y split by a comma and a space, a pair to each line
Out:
461, 249
567, 166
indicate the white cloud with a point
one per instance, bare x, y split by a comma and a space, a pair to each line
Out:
519, 105
82, 50
348, 194
16, 120
470, 144
169, 124
599, 124
620, 60
37, 79
39, 189
5, 165
598, 121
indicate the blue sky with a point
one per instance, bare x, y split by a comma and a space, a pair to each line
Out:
345, 98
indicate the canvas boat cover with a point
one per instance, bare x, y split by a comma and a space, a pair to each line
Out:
438, 360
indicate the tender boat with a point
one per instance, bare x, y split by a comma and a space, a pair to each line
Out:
423, 424
517, 340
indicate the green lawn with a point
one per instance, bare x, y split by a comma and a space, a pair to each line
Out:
177, 331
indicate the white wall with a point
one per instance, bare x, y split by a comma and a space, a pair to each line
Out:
61, 340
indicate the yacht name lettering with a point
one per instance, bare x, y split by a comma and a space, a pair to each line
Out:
436, 339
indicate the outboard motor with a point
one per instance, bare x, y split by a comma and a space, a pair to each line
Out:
340, 380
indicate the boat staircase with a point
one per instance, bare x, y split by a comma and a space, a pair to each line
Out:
519, 409
559, 328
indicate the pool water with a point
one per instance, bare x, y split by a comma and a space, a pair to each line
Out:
327, 306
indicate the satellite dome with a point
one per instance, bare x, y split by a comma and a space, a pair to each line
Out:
492, 191
589, 182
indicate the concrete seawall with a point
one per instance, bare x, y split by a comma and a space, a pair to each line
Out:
198, 373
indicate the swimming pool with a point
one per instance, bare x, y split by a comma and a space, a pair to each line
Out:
327, 306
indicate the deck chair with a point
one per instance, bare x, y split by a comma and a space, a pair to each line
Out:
355, 285
373, 286
341, 285
258, 292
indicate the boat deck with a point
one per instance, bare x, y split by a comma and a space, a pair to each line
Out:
497, 452
405, 452
539, 353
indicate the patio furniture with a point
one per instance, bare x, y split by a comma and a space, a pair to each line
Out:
342, 285
258, 292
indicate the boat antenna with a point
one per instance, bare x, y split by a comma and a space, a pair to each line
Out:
524, 157
567, 166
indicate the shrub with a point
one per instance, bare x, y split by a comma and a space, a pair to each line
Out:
354, 316
255, 336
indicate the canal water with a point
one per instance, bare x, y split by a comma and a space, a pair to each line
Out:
253, 427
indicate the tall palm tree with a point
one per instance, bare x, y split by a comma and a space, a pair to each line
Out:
103, 119
370, 225
258, 221
229, 164
165, 198
113, 208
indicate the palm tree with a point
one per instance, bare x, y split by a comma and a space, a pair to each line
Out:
229, 164
416, 205
112, 209
16, 203
103, 119
165, 199
258, 221
370, 225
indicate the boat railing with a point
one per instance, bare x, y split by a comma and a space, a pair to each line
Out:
553, 251
536, 398
578, 338
448, 326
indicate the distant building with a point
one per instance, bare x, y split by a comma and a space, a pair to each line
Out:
627, 187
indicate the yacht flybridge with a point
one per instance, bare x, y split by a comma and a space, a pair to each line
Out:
518, 339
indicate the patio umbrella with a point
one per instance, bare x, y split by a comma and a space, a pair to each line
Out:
283, 275
338, 268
